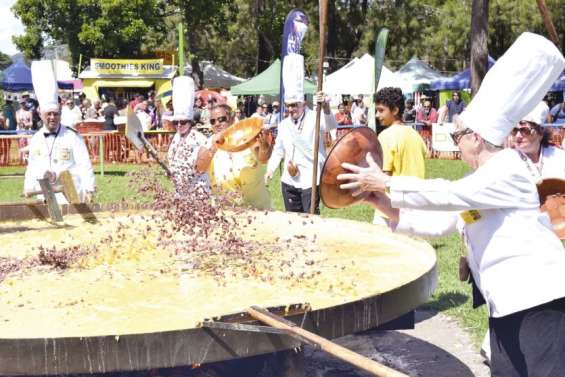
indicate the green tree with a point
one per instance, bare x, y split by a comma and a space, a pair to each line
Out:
103, 28
5, 61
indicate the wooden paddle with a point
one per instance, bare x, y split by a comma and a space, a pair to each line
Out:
322, 54
330, 347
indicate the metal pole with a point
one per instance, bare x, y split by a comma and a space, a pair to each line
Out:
101, 153
323, 25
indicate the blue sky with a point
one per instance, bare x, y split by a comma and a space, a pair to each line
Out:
8, 27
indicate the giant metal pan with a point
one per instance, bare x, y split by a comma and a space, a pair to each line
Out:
157, 349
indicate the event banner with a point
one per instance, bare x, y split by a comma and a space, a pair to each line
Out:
295, 27
127, 66
441, 138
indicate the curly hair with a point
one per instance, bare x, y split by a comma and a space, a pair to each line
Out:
391, 98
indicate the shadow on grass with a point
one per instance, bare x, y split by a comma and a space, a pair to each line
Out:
446, 300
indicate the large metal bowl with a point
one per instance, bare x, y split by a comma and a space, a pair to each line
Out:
241, 135
353, 148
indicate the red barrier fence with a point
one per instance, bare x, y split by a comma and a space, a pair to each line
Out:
117, 148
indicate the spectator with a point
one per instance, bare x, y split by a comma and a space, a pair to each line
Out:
343, 117
110, 111
137, 99
258, 113
359, 112
274, 117
85, 105
24, 117
404, 150
9, 115
409, 115
455, 106
70, 114
427, 114
32, 105
238, 116
144, 118
557, 113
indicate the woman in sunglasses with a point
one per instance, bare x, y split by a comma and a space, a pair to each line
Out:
237, 172
183, 155
515, 258
532, 140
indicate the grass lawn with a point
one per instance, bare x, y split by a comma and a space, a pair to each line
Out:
451, 297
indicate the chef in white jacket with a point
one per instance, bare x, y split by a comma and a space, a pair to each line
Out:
295, 140
188, 144
516, 260
529, 137
55, 148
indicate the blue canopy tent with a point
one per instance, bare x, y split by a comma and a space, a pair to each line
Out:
17, 78
559, 85
459, 81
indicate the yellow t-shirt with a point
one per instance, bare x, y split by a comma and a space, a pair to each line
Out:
241, 172
404, 151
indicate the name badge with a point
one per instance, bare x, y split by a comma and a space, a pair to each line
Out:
64, 154
471, 216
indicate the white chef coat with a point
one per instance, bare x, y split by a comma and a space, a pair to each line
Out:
552, 163
64, 151
286, 147
516, 260
182, 156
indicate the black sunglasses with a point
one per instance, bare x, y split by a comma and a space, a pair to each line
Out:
219, 120
181, 122
457, 135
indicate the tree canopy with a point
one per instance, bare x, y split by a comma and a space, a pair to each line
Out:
244, 36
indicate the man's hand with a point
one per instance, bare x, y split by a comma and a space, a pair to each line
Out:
371, 178
382, 202
321, 98
88, 196
268, 176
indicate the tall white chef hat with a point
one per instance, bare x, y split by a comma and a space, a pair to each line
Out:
183, 98
513, 87
293, 78
45, 85
538, 115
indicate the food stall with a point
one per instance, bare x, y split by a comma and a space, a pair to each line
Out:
123, 78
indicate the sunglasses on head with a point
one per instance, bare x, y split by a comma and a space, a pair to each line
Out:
219, 120
457, 135
181, 122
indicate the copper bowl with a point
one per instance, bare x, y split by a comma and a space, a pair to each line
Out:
552, 200
353, 148
241, 135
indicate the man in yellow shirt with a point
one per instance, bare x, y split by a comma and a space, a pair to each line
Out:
404, 150
239, 172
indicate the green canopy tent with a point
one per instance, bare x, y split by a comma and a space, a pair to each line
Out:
267, 83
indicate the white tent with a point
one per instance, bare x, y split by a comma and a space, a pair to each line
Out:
357, 77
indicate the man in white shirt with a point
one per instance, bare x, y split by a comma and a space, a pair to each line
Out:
294, 144
55, 148
70, 114
359, 112
516, 260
